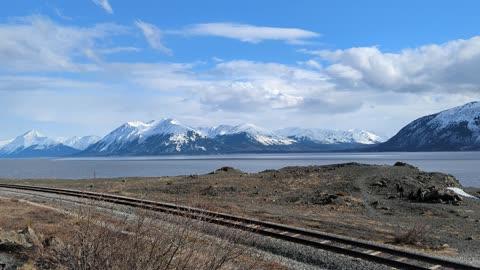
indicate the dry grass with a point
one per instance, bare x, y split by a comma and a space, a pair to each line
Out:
141, 241
90, 238
16, 215
414, 236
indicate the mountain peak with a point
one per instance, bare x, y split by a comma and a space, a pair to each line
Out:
137, 124
171, 121
32, 134
468, 113
455, 129
325, 136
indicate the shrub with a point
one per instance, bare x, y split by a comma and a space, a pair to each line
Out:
413, 236
143, 241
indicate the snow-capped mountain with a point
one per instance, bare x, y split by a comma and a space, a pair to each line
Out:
326, 136
169, 136
154, 137
34, 144
454, 129
3, 143
80, 143
252, 131
30, 138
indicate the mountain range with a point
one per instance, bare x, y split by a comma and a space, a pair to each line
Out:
456, 129
34, 144
169, 136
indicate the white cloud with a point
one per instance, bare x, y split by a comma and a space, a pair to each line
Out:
104, 4
118, 50
351, 88
153, 36
242, 86
38, 44
250, 33
448, 67
61, 15
38, 83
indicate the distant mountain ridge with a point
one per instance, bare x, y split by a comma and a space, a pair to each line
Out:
34, 144
456, 129
169, 136
326, 136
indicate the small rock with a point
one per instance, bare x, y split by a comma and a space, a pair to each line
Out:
445, 246
470, 238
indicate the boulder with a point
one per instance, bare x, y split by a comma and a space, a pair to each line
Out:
12, 241
435, 195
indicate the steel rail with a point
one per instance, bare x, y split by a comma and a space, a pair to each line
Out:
382, 254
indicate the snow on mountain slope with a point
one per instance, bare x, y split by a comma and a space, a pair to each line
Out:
450, 130
34, 144
138, 132
3, 143
325, 136
123, 134
468, 113
31, 138
256, 133
179, 133
80, 143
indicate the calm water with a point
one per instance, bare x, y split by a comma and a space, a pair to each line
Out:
463, 165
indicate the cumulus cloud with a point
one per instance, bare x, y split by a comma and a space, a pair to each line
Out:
243, 86
104, 4
447, 67
36, 43
153, 36
250, 33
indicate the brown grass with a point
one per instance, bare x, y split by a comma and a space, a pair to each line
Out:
414, 236
90, 238
141, 241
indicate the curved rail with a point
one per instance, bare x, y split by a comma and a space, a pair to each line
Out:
382, 254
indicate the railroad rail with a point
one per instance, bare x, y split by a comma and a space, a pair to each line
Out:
378, 253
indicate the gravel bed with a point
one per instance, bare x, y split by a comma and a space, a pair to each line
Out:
293, 256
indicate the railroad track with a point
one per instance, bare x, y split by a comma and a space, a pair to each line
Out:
385, 255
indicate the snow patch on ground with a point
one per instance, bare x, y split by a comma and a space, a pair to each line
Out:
461, 192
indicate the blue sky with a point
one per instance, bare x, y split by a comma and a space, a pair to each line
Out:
84, 67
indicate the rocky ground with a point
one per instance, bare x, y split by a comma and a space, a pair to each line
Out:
56, 225
400, 204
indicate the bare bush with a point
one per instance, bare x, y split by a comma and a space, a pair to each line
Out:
142, 241
413, 236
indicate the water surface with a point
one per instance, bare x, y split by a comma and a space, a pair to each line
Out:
463, 165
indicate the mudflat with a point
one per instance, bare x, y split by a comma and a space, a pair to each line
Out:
398, 204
